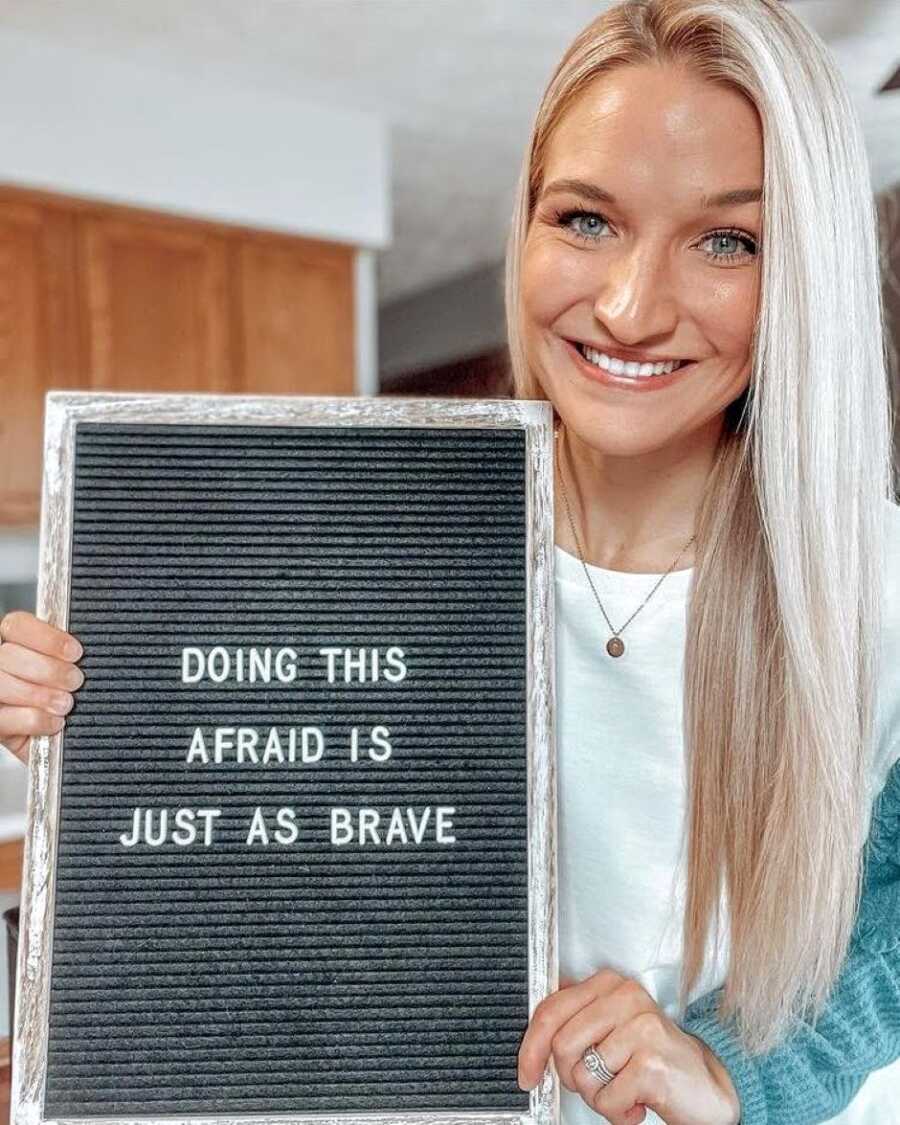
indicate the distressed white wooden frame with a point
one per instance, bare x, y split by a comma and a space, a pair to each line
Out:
63, 411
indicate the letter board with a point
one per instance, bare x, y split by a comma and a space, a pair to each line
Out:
293, 853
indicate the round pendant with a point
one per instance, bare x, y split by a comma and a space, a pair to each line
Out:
614, 646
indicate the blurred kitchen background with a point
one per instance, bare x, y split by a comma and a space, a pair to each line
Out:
285, 196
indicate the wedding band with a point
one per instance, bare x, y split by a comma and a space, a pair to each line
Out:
596, 1066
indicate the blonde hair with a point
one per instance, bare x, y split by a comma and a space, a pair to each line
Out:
784, 608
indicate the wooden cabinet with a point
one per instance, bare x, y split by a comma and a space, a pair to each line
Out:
11, 866
107, 298
38, 342
296, 309
155, 306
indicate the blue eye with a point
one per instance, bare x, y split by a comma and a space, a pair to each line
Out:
731, 236
588, 233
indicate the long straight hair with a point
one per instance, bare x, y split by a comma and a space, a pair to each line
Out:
784, 607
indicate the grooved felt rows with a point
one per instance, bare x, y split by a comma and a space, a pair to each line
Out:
308, 976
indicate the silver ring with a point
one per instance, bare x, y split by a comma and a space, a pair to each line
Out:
596, 1066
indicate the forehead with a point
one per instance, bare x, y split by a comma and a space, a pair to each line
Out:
658, 124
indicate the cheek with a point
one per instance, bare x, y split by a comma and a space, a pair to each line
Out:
553, 279
728, 317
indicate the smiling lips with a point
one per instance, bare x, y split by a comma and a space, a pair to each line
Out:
628, 368
629, 376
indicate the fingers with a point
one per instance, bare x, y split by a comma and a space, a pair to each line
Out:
18, 747
655, 1065
550, 1015
632, 1051
24, 628
623, 1101
38, 668
23, 693
24, 723
37, 678
595, 1022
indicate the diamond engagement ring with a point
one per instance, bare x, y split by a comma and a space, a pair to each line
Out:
596, 1066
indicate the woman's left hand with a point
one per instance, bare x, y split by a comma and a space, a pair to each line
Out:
656, 1064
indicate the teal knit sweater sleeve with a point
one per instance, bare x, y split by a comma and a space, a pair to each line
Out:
814, 1073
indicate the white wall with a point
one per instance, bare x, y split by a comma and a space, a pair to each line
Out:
87, 124
18, 554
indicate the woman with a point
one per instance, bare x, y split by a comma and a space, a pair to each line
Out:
696, 195
719, 545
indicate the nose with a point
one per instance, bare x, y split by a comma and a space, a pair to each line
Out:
636, 300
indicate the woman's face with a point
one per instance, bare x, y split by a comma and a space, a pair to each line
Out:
630, 253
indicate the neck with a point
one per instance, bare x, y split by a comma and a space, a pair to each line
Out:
633, 513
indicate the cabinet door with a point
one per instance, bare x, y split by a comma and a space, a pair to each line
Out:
38, 343
295, 316
155, 306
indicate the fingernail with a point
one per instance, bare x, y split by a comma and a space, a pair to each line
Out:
76, 679
73, 650
57, 724
62, 704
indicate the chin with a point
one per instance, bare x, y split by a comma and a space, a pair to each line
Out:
614, 430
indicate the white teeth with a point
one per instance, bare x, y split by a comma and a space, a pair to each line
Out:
630, 370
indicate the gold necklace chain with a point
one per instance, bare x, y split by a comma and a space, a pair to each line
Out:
615, 646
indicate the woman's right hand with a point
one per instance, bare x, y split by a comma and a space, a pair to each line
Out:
37, 678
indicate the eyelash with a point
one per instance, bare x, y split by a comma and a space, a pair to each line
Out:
563, 218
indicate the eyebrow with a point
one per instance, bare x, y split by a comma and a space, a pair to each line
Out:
599, 195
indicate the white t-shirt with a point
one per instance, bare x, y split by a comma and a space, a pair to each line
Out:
622, 790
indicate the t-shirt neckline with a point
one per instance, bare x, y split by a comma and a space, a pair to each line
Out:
569, 568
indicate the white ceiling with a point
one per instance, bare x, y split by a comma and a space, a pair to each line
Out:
457, 80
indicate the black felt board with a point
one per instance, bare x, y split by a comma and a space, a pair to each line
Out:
312, 977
